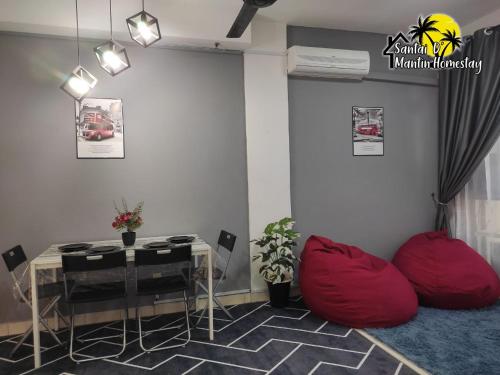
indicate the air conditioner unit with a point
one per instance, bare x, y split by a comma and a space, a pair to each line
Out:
328, 63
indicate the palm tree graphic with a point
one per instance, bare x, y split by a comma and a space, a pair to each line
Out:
453, 40
423, 28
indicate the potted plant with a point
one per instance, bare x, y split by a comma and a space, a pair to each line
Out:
277, 259
129, 220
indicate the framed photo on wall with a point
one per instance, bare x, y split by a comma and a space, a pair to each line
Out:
368, 131
99, 129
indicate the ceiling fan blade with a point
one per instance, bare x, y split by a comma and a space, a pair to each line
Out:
247, 12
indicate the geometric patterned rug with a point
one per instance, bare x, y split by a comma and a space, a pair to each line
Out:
261, 340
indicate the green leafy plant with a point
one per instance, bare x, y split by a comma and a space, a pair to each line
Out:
277, 257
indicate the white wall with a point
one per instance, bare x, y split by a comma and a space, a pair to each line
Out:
266, 106
491, 19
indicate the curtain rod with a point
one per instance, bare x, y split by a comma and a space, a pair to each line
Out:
491, 29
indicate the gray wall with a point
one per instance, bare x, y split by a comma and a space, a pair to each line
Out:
372, 202
184, 144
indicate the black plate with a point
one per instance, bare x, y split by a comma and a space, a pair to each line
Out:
75, 247
156, 245
180, 239
104, 249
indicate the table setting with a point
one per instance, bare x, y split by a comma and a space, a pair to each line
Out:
126, 221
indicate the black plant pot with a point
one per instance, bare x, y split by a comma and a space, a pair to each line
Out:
279, 294
128, 238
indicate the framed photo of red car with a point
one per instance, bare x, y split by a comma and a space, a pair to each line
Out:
368, 131
99, 129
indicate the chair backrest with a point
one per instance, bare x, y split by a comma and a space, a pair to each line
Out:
223, 258
226, 240
94, 262
14, 257
154, 257
91, 269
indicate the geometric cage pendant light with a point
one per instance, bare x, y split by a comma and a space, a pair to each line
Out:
79, 83
112, 56
144, 28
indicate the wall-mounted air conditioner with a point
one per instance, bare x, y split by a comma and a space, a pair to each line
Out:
328, 63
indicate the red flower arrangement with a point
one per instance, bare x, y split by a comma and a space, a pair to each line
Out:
129, 220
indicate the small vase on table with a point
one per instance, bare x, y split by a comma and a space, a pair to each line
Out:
129, 221
128, 238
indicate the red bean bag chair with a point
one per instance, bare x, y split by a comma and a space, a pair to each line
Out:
345, 285
446, 272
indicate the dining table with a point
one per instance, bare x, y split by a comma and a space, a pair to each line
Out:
51, 259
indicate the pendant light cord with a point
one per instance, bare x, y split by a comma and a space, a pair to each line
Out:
143, 5
110, 20
77, 33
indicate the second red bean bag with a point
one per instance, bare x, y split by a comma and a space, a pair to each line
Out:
345, 285
446, 272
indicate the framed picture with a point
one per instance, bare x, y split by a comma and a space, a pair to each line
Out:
368, 131
99, 129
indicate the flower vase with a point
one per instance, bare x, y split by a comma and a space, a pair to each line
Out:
128, 238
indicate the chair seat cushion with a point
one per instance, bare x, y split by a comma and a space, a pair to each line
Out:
447, 273
345, 285
82, 293
161, 285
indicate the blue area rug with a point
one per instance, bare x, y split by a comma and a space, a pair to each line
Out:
446, 342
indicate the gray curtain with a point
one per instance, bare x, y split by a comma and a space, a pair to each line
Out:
469, 117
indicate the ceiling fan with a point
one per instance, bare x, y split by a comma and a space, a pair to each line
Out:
245, 16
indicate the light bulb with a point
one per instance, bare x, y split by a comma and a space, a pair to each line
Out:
112, 59
79, 85
144, 30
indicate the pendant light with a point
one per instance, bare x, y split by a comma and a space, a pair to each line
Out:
111, 55
79, 83
144, 28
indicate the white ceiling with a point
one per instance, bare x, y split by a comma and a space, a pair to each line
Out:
204, 22
198, 23
380, 16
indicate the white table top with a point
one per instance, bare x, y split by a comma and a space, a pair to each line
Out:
51, 257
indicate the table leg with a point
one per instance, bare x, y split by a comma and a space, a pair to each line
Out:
210, 296
34, 308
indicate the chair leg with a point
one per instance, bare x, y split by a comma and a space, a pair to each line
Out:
71, 333
193, 299
186, 303
61, 316
202, 314
26, 334
217, 301
72, 326
222, 307
139, 327
45, 323
83, 341
155, 349
21, 341
49, 330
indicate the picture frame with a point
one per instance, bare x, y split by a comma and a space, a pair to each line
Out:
368, 131
99, 126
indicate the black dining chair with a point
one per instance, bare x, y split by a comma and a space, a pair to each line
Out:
159, 272
222, 259
17, 265
91, 279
